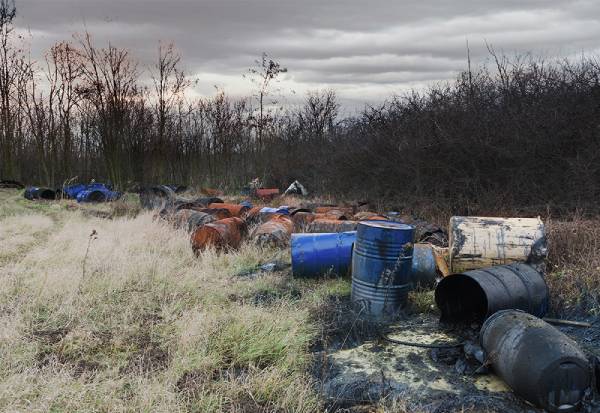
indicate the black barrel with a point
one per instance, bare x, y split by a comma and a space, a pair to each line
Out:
39, 193
477, 294
540, 364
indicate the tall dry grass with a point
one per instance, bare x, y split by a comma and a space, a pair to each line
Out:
150, 327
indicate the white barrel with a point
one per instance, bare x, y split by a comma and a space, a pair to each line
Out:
480, 242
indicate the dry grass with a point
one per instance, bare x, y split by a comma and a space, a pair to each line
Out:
150, 327
574, 266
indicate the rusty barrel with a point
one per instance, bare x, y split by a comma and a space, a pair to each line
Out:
333, 214
197, 219
381, 267
276, 232
314, 255
477, 294
180, 218
224, 234
331, 225
369, 216
302, 220
218, 213
541, 364
266, 193
239, 211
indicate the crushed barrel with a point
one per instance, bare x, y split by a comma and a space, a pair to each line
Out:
222, 235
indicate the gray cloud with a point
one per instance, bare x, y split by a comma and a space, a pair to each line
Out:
367, 50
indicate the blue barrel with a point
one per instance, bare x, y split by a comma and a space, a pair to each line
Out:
381, 267
424, 267
314, 255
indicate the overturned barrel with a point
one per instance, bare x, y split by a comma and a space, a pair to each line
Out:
331, 225
477, 294
481, 242
198, 219
316, 254
222, 235
39, 193
276, 232
541, 364
381, 267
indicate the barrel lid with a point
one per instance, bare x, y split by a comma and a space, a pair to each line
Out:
386, 225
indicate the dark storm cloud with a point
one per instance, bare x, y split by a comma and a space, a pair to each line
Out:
365, 49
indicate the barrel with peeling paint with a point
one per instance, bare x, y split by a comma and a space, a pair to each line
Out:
480, 242
314, 255
477, 294
541, 364
381, 267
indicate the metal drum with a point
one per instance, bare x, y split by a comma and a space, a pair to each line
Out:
477, 294
381, 267
424, 267
316, 254
541, 364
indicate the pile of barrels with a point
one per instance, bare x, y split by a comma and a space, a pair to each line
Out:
213, 223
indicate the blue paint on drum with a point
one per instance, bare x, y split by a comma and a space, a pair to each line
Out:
382, 266
314, 255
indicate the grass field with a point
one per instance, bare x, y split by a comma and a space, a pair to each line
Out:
130, 320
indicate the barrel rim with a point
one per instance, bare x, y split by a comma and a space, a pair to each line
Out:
386, 224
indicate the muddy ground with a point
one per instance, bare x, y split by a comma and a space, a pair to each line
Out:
359, 369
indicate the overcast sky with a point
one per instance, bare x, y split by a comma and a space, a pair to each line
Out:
366, 50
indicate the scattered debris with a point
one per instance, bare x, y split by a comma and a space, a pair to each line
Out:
296, 188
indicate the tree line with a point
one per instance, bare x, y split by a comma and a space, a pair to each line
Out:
519, 131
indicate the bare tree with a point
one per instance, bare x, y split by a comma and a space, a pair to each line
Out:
170, 84
263, 75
